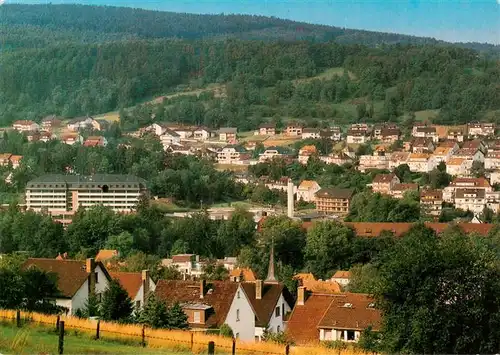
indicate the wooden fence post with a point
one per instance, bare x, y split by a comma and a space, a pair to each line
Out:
18, 318
211, 348
61, 337
97, 329
57, 322
192, 341
233, 350
287, 349
143, 335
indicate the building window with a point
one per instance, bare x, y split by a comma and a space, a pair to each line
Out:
350, 335
277, 311
278, 329
96, 277
238, 294
137, 304
237, 315
197, 317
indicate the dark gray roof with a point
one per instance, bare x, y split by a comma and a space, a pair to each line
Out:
335, 193
228, 130
80, 180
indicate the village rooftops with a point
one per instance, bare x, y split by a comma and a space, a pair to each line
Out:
472, 193
228, 130
384, 178
470, 182
130, 281
237, 148
431, 194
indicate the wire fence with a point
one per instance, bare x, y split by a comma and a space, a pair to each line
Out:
140, 335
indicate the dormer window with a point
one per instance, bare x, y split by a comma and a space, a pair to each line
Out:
347, 305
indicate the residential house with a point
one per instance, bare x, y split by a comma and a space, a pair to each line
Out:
273, 152
311, 284
357, 136
465, 183
383, 183
48, 123
420, 162
5, 159
495, 177
154, 128
169, 137
32, 136
242, 274
25, 126
79, 123
138, 285
187, 132
442, 154
100, 125
342, 277
179, 149
397, 159
45, 136
473, 200
227, 134
390, 135
76, 280
71, 138
202, 133
294, 129
335, 133
189, 265
422, 145
426, 132
15, 160
371, 162
456, 134
399, 189
492, 160
333, 201
478, 129
307, 189
306, 152
233, 154
95, 141
320, 317
458, 166
431, 202
280, 184
472, 154
493, 201
311, 133
248, 308
267, 129
450, 144
336, 158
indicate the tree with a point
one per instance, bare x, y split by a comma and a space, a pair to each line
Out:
155, 313
177, 319
226, 331
116, 304
328, 247
477, 169
440, 295
90, 309
237, 232
215, 271
11, 289
39, 288
369, 340
122, 242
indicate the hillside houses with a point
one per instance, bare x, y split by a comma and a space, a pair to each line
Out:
233, 154
384, 183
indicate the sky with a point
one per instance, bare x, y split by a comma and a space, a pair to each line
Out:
449, 20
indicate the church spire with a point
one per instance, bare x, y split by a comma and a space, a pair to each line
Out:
270, 270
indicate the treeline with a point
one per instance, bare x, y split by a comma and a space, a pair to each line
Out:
115, 21
259, 78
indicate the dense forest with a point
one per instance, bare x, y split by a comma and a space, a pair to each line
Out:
83, 60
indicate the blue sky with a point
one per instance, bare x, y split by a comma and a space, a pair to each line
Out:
450, 20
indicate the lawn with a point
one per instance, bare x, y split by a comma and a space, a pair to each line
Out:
426, 115
32, 340
328, 74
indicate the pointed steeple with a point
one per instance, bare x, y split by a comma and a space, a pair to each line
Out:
270, 270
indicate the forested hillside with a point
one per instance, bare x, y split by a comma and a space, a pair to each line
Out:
83, 60
83, 22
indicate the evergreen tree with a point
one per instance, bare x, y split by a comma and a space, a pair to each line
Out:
155, 313
116, 304
177, 319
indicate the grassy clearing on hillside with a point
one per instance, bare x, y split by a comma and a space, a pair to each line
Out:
426, 115
328, 74
31, 340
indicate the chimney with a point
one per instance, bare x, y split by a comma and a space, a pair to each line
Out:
90, 269
145, 285
290, 199
203, 285
258, 289
301, 295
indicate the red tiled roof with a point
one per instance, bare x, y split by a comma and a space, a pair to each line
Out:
404, 187
374, 229
130, 281
476, 182
383, 178
248, 274
71, 274
182, 258
342, 274
264, 307
303, 322
106, 254
220, 298
354, 311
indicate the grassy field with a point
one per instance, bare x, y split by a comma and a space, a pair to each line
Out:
31, 340
328, 74
426, 115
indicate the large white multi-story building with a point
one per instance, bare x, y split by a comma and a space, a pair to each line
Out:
62, 195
